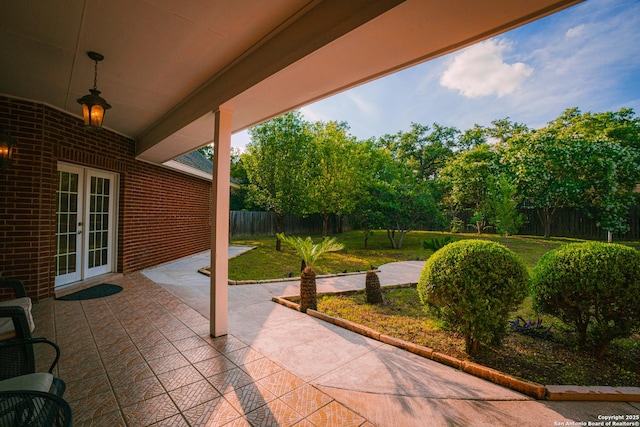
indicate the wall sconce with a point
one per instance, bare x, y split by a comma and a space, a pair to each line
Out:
93, 105
6, 149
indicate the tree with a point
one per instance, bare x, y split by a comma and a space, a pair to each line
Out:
405, 206
239, 175
504, 203
547, 172
397, 200
401, 195
611, 144
472, 138
467, 177
588, 161
474, 286
277, 166
207, 151
338, 173
503, 130
424, 150
380, 166
310, 254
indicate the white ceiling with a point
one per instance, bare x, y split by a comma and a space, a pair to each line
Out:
170, 63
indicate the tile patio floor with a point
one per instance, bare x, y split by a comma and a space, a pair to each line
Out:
142, 358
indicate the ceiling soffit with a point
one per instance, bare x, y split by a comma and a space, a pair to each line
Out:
412, 32
322, 24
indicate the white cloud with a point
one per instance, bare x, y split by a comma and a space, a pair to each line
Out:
575, 31
311, 114
480, 70
365, 107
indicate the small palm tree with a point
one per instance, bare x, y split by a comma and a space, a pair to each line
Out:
310, 254
373, 291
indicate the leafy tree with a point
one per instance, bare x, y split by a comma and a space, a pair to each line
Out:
504, 203
397, 200
592, 286
338, 171
381, 167
310, 254
467, 178
472, 138
546, 172
503, 130
405, 206
424, 150
611, 149
589, 161
207, 151
239, 175
277, 167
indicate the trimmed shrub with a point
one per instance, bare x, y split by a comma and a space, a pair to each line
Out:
591, 286
473, 285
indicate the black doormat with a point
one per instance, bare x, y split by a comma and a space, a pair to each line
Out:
97, 291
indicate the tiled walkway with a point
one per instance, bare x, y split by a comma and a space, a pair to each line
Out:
142, 357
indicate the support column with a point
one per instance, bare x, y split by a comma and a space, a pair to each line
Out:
219, 299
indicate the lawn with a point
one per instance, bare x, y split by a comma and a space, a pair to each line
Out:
546, 361
265, 262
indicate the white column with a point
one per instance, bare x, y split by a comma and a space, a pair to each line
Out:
219, 304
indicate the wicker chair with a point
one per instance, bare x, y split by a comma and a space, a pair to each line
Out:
17, 358
20, 299
33, 409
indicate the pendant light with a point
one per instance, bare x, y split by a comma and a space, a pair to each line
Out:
93, 105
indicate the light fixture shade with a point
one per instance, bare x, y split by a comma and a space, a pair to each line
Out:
93, 109
6, 149
93, 105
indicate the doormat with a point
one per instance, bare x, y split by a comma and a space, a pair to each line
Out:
97, 291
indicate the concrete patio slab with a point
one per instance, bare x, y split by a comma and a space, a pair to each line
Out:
401, 373
383, 384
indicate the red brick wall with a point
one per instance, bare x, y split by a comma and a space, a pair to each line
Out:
163, 214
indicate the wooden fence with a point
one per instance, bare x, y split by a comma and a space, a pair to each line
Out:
247, 223
576, 223
572, 223
566, 223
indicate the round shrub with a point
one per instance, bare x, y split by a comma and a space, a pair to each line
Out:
473, 285
591, 286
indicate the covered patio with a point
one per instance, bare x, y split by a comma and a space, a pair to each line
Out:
145, 357
179, 75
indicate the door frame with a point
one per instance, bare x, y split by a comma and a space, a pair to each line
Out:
85, 174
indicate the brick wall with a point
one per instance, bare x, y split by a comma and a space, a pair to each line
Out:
163, 214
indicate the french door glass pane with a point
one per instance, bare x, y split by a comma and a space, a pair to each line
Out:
67, 203
98, 221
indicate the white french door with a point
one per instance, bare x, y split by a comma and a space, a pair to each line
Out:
85, 223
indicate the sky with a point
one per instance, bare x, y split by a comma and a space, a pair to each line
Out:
587, 56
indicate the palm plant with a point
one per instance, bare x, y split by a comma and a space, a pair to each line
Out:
310, 254
373, 291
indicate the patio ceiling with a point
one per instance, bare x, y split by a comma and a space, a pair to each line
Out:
170, 63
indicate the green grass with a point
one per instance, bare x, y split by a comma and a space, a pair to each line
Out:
266, 263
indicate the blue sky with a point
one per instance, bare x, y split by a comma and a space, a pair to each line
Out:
587, 56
